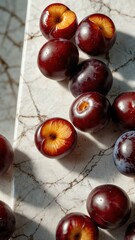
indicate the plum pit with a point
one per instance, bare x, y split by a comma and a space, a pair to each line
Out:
83, 106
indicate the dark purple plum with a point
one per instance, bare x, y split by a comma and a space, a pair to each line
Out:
123, 110
130, 232
90, 112
124, 153
95, 34
91, 75
58, 58
7, 221
109, 206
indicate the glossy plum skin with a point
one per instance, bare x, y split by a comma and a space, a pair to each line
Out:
52, 132
58, 21
109, 206
90, 112
124, 154
123, 110
58, 58
76, 226
91, 75
90, 36
130, 232
7, 221
6, 155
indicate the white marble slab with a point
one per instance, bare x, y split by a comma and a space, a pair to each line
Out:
12, 22
47, 189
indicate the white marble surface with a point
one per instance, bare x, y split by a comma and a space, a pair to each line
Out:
12, 23
47, 189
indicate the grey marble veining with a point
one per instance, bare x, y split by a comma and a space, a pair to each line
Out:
45, 190
12, 23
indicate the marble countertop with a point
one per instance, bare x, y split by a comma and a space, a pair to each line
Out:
45, 190
12, 23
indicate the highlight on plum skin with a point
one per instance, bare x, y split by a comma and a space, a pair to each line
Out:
124, 154
91, 75
90, 112
57, 59
109, 206
56, 138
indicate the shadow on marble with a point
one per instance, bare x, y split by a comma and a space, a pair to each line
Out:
12, 23
26, 179
6, 187
81, 150
35, 230
124, 45
106, 235
88, 155
120, 231
94, 152
30, 228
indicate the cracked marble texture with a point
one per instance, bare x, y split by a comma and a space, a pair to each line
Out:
47, 189
12, 23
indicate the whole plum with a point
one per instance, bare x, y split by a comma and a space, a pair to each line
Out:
58, 58
91, 75
7, 221
109, 206
123, 110
90, 112
124, 153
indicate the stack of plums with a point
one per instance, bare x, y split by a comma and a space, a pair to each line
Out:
90, 81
